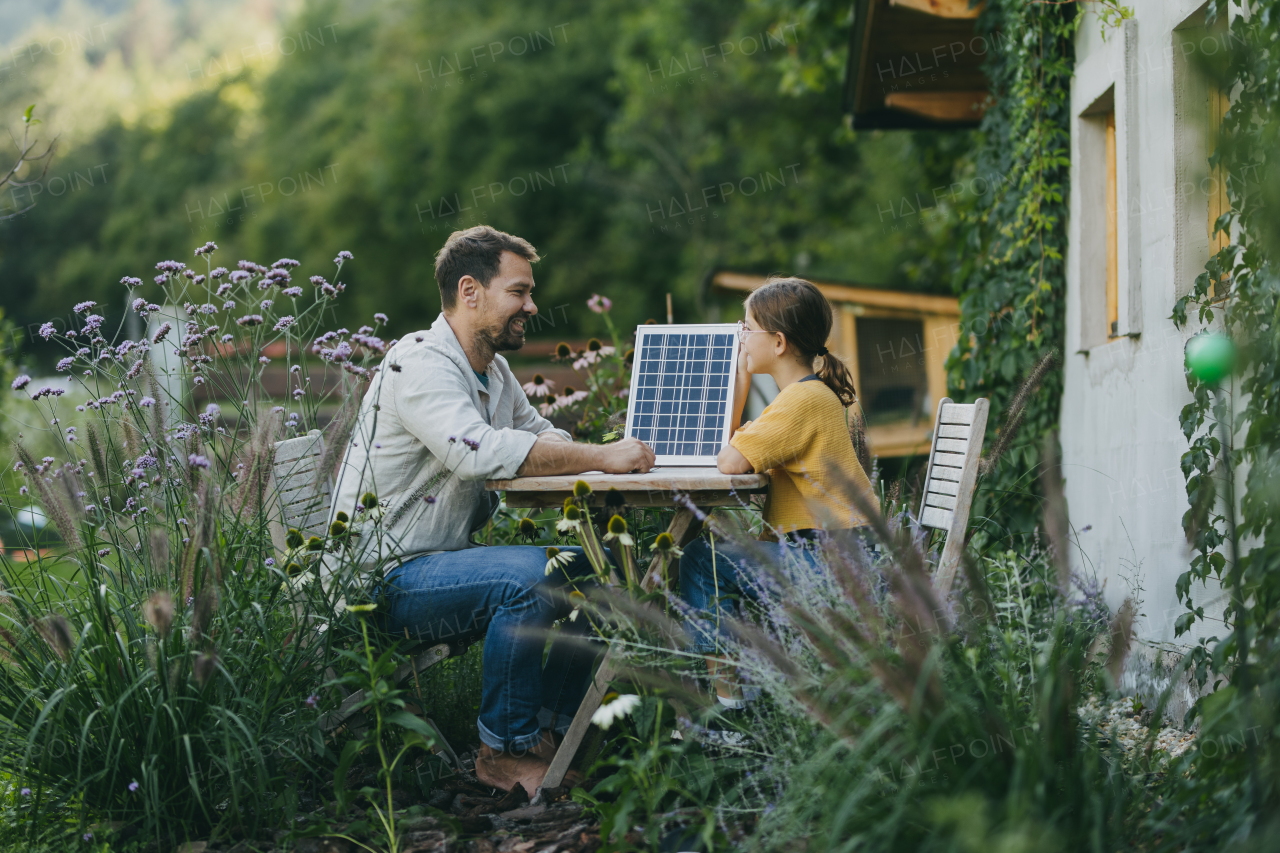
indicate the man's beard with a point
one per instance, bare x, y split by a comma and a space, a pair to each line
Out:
504, 338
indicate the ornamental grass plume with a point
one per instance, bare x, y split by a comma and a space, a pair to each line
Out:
54, 500
1016, 411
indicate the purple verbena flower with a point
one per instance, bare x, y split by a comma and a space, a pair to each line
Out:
82, 307
381, 318
344, 255
65, 364
207, 248
171, 266
133, 786
47, 331
292, 291
250, 320
147, 402
165, 328
283, 323
195, 460
21, 382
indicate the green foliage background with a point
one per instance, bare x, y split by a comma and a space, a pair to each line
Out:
179, 105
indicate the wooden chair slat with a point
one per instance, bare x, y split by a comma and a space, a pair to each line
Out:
299, 448
951, 460
939, 500
954, 431
952, 445
945, 472
943, 487
935, 517
954, 413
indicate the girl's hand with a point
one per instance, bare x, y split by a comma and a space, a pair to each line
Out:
742, 379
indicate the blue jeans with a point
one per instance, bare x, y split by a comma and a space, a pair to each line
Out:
714, 583
505, 593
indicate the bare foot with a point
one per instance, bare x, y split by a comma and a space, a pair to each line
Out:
546, 750
505, 770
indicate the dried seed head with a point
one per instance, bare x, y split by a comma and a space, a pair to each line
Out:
158, 611
57, 633
293, 538
528, 528
368, 500
206, 664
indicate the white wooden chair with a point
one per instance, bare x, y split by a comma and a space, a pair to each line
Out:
301, 496
951, 477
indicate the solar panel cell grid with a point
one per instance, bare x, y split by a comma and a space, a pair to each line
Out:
680, 391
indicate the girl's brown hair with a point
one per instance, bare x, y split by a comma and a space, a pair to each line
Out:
799, 311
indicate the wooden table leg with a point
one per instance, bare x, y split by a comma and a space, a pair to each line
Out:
683, 528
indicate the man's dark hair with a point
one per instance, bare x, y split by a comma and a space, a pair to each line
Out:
476, 252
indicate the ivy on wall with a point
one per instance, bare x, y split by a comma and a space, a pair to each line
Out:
1009, 269
1240, 292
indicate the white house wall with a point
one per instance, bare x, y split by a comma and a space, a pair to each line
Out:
1121, 439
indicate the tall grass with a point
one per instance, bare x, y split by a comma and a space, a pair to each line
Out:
161, 671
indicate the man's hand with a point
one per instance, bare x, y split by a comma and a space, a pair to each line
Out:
551, 455
623, 457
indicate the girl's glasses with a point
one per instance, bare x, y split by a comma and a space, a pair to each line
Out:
743, 331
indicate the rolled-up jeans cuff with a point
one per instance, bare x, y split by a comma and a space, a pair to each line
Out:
562, 721
521, 744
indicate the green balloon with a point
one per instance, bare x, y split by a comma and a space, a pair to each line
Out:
1211, 357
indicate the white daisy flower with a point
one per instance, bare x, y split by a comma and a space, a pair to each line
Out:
620, 707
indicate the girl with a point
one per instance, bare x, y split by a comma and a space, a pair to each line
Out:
801, 439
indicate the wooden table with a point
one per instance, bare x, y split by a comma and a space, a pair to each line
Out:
705, 488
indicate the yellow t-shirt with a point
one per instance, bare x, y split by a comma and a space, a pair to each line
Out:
802, 439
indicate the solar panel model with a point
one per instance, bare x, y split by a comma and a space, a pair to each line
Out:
681, 390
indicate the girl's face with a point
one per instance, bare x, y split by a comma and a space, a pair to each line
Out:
761, 348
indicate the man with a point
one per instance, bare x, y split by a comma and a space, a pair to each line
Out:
442, 415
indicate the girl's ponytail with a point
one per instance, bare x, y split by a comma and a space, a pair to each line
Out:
799, 311
835, 375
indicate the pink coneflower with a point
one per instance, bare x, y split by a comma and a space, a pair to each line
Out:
569, 397
539, 387
599, 304
548, 406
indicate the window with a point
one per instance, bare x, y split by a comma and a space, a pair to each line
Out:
1200, 196
1113, 229
891, 367
1100, 223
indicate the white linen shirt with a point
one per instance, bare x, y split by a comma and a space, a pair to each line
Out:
407, 446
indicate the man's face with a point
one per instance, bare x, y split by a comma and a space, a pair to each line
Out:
504, 307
